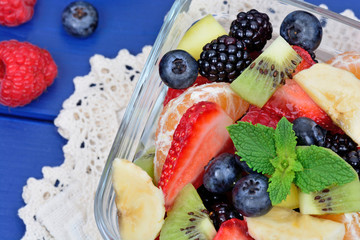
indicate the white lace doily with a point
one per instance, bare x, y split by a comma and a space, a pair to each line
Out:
60, 205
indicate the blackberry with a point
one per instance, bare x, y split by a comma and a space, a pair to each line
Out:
341, 144
221, 212
209, 199
253, 27
223, 59
353, 158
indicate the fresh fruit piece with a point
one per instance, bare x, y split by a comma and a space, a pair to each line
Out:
353, 158
292, 102
146, 161
221, 212
292, 200
258, 115
174, 93
302, 29
307, 60
351, 221
335, 199
80, 19
250, 196
178, 69
223, 59
200, 136
219, 93
336, 91
233, 229
139, 202
188, 219
284, 224
308, 132
253, 27
199, 34
222, 172
246, 167
25, 72
14, 13
341, 144
260, 80
349, 61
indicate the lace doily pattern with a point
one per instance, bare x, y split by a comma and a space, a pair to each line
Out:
60, 206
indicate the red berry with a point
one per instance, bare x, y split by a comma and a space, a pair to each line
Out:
233, 229
200, 135
16, 12
25, 72
174, 93
264, 117
307, 60
292, 102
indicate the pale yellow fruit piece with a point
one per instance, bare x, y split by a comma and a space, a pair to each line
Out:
337, 92
292, 200
199, 34
284, 224
140, 204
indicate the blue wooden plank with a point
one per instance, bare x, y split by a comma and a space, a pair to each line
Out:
122, 24
25, 147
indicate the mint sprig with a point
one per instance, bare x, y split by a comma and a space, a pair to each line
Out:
274, 152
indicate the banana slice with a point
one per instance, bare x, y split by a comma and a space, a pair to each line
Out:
140, 204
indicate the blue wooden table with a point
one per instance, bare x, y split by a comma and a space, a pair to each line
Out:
28, 138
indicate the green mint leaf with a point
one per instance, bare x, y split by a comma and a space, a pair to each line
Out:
285, 143
279, 186
322, 168
254, 144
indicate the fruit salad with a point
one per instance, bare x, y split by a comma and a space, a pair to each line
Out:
256, 139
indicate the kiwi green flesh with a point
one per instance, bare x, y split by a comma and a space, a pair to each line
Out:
188, 218
268, 72
336, 199
146, 161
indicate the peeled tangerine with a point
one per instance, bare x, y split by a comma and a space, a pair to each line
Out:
284, 224
140, 204
336, 91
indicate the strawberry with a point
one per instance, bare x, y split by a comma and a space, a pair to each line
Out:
173, 93
307, 60
264, 117
292, 102
233, 229
200, 135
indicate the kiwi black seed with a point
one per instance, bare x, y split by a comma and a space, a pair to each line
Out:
336, 199
188, 218
268, 72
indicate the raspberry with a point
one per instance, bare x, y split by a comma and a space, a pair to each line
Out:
25, 72
16, 12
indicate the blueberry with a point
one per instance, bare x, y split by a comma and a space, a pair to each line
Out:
178, 69
221, 173
250, 196
80, 19
246, 167
302, 29
308, 132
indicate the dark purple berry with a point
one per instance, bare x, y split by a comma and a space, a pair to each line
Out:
308, 132
250, 196
178, 69
80, 19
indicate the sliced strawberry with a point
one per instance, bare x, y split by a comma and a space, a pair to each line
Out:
264, 117
292, 102
200, 135
233, 229
307, 60
173, 93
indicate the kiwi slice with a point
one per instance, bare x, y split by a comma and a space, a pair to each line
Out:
146, 161
336, 199
188, 218
264, 75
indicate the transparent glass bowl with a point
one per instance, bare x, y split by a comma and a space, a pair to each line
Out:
136, 132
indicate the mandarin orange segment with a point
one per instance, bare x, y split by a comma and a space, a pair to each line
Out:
349, 61
351, 221
219, 93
